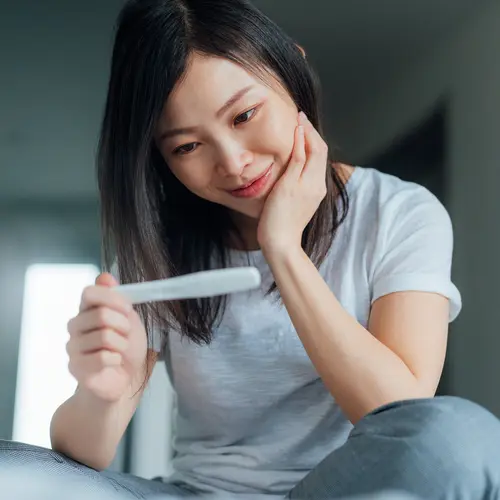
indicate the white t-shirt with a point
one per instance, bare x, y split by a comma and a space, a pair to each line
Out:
252, 414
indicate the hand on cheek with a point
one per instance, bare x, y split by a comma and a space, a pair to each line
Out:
297, 194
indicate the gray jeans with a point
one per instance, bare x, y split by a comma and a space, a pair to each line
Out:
441, 448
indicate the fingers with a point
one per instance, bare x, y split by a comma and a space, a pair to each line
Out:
106, 279
97, 333
98, 295
298, 156
316, 150
97, 319
83, 367
106, 340
314, 141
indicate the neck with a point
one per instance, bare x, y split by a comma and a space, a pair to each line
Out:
247, 228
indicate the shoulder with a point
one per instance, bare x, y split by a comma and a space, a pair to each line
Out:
386, 189
386, 211
394, 203
412, 236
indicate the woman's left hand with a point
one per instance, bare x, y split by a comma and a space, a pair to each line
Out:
297, 194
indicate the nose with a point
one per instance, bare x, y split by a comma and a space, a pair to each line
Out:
233, 159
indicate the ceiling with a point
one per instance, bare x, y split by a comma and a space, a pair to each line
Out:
57, 62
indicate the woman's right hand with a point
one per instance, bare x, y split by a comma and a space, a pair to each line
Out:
108, 344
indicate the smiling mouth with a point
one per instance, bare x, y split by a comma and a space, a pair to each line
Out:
254, 187
248, 184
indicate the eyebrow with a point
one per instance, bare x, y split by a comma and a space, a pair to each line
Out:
188, 130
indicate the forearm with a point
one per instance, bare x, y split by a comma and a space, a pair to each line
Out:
89, 430
360, 372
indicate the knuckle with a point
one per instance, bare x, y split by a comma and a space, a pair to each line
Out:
117, 300
69, 325
126, 304
322, 191
107, 337
102, 357
300, 157
107, 358
87, 294
127, 325
73, 369
298, 154
102, 316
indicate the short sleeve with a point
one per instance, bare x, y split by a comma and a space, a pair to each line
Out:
415, 247
155, 340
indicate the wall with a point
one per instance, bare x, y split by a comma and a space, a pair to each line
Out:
55, 58
466, 70
31, 233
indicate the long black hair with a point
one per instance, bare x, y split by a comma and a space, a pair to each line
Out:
152, 225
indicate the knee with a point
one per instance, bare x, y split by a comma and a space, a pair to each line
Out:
459, 425
15, 454
35, 473
459, 439
450, 420
448, 440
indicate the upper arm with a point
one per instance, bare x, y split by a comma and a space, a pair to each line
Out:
413, 297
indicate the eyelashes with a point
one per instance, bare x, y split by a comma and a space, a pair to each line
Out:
184, 150
253, 111
192, 146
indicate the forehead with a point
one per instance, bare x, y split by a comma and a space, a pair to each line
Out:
207, 84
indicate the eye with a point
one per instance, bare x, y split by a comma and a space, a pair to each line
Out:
186, 148
244, 117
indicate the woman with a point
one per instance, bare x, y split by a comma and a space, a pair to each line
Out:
321, 383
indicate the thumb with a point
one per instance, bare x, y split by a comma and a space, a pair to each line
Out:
106, 279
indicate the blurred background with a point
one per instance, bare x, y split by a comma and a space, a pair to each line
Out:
411, 88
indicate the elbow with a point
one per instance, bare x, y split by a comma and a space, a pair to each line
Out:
419, 391
425, 388
98, 463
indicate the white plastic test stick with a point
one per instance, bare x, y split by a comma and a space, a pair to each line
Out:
193, 285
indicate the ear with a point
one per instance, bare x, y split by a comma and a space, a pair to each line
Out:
303, 52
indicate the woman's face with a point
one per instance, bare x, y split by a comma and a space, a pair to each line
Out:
226, 135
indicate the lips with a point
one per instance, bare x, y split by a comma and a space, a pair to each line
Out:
248, 184
253, 187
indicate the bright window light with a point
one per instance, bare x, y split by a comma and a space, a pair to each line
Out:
52, 295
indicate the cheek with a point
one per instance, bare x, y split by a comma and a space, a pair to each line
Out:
195, 178
276, 133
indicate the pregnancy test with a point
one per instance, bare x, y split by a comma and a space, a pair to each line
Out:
193, 285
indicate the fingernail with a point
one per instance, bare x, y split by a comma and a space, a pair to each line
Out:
302, 117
